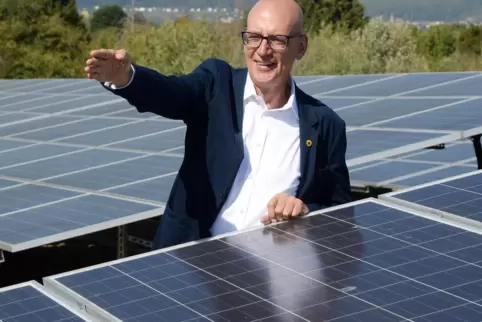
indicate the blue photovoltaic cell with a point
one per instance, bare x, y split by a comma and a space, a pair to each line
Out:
92, 89
387, 109
364, 165
41, 85
458, 117
365, 142
436, 175
451, 153
72, 85
332, 85
121, 133
15, 85
7, 145
13, 117
461, 197
121, 173
26, 196
155, 189
362, 263
64, 164
104, 109
65, 104
7, 183
35, 124
17, 98
40, 101
337, 103
63, 216
403, 83
26, 304
133, 113
155, 143
388, 170
72, 128
31, 153
469, 87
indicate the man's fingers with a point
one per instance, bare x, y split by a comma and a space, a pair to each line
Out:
273, 203
297, 208
103, 54
278, 211
289, 208
122, 56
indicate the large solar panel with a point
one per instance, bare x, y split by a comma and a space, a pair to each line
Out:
456, 198
29, 302
420, 104
364, 261
59, 175
86, 146
414, 168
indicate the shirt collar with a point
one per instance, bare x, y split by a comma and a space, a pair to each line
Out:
250, 92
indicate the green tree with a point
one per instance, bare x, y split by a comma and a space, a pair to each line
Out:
470, 40
341, 14
108, 16
29, 11
40, 37
438, 42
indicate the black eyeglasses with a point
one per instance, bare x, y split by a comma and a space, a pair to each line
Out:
276, 42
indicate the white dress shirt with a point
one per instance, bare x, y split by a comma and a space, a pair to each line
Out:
271, 163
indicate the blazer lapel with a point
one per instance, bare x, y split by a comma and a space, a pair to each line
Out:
308, 140
239, 82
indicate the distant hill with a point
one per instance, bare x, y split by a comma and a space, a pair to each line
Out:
433, 10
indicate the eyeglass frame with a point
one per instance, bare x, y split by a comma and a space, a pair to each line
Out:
269, 39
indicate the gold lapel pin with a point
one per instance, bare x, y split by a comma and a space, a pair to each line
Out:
308, 143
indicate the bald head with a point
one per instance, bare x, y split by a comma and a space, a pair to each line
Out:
273, 40
281, 12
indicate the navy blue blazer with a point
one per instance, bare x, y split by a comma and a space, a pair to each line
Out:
210, 102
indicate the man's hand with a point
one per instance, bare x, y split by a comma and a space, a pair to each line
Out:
109, 65
283, 207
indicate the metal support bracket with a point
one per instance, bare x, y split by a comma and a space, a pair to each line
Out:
121, 241
436, 147
477, 149
2, 258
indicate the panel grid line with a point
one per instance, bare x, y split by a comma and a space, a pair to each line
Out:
153, 289
385, 269
315, 280
242, 289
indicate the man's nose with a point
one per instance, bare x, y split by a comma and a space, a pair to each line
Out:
264, 48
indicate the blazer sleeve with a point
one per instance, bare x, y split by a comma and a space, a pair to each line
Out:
174, 97
340, 189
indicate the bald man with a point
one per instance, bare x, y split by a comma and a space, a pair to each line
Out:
258, 149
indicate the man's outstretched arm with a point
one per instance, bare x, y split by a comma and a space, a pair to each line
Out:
175, 97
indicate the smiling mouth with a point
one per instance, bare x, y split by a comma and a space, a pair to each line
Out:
266, 65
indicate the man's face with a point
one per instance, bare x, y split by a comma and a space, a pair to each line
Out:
270, 61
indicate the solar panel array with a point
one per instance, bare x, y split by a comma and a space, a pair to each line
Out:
365, 261
85, 160
29, 302
457, 198
414, 168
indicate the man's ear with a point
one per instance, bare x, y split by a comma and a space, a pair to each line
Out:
303, 47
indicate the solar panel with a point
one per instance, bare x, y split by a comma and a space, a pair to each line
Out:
30, 302
445, 106
364, 261
74, 137
456, 198
367, 144
416, 168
